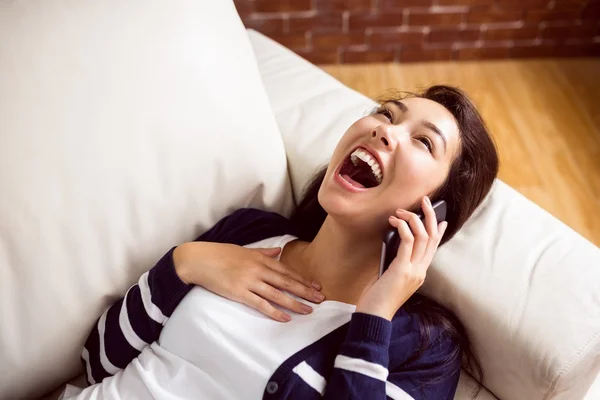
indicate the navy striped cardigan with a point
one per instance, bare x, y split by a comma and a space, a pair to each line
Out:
381, 367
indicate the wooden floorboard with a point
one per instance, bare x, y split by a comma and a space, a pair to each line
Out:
544, 116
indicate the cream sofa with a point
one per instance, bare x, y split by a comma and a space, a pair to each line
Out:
129, 126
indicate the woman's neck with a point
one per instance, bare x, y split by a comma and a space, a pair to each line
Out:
342, 262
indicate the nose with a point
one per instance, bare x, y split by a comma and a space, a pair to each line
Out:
384, 135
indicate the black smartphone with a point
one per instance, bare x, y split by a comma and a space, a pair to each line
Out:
391, 239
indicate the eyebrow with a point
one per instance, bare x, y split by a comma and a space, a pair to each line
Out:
400, 105
435, 130
425, 123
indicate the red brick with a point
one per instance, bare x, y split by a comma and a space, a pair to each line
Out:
282, 5
524, 3
368, 56
526, 32
465, 2
400, 4
344, 5
551, 15
244, 7
323, 22
578, 50
363, 21
568, 32
333, 40
437, 19
493, 16
320, 56
418, 55
480, 53
263, 24
518, 5
531, 51
454, 35
292, 41
395, 37
568, 6
592, 10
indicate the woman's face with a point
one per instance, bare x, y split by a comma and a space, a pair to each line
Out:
389, 160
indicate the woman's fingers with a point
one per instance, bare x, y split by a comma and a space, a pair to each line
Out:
260, 304
431, 223
433, 244
278, 297
421, 237
406, 240
286, 281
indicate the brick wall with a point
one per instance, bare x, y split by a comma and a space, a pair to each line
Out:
351, 31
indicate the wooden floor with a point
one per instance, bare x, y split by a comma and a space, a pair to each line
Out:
544, 115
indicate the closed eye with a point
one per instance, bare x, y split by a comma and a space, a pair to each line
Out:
425, 140
386, 113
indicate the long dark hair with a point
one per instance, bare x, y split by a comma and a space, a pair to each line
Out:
470, 179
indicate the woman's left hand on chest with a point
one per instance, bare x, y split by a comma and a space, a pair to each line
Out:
418, 244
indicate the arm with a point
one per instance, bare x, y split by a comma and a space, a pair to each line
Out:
361, 367
245, 275
135, 321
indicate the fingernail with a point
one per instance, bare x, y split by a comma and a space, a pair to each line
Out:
316, 285
399, 211
427, 200
286, 318
306, 309
319, 296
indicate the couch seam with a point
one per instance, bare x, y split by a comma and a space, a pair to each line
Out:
577, 358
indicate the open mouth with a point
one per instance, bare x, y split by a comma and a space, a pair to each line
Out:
361, 169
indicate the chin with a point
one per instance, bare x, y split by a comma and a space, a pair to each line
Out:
350, 212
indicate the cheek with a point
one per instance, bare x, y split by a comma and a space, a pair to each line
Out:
418, 176
356, 131
346, 142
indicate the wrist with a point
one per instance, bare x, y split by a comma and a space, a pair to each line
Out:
376, 310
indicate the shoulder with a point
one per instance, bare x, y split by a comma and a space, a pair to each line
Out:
248, 225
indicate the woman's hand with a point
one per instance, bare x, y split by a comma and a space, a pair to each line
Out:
248, 276
384, 296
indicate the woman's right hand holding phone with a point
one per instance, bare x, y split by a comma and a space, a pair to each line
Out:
249, 276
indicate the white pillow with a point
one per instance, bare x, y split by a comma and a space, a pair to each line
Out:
126, 127
313, 110
526, 286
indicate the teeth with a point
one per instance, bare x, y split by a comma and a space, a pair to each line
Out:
369, 159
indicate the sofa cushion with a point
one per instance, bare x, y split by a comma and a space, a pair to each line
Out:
126, 127
526, 286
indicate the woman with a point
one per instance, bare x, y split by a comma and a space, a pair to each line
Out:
174, 337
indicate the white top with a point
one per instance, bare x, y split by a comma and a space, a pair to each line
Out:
220, 348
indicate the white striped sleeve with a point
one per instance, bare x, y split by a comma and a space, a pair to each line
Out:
106, 364
132, 338
361, 366
151, 309
85, 355
396, 393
